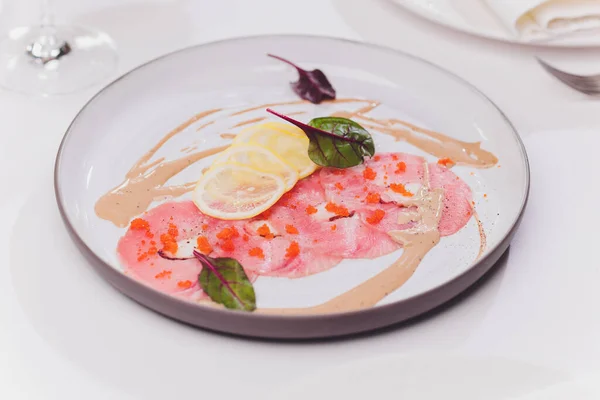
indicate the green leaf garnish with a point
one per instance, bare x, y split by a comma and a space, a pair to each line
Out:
335, 142
225, 282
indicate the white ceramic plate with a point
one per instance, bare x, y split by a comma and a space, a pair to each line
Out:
475, 17
133, 113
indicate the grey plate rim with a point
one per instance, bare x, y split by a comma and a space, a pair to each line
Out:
284, 326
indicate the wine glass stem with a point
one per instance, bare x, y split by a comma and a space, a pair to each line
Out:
47, 47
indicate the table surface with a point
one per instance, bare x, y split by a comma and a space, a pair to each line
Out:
532, 323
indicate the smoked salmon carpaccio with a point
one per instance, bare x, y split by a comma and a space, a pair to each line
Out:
331, 215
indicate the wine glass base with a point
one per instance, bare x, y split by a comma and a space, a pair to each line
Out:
74, 59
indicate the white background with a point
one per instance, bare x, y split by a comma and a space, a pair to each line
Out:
533, 323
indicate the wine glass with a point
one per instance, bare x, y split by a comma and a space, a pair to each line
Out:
54, 59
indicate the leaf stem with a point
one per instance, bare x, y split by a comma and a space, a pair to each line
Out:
305, 126
207, 263
286, 61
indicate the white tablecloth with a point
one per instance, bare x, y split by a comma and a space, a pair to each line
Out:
534, 322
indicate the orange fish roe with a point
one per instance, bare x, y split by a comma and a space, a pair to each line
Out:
203, 245
265, 232
373, 198
152, 251
139, 224
169, 243
152, 243
399, 188
315, 241
369, 173
311, 210
228, 245
340, 211
485, 195
163, 274
143, 242
256, 252
293, 250
204, 227
142, 257
184, 284
365, 189
338, 172
339, 186
333, 227
291, 229
173, 231
376, 217
400, 167
149, 234
228, 233
377, 158
472, 203
446, 162
246, 238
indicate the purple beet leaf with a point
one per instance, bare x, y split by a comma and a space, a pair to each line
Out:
311, 85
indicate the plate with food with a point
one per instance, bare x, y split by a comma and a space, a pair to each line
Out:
291, 186
553, 23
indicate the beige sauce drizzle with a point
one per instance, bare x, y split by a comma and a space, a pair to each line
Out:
145, 182
249, 121
137, 192
204, 126
482, 235
228, 135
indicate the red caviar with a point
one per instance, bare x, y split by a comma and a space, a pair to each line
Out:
293, 250
228, 233
333, 227
376, 217
291, 229
228, 245
265, 232
184, 284
377, 158
256, 252
173, 231
163, 274
400, 188
400, 167
340, 211
169, 243
446, 162
369, 173
373, 198
140, 224
203, 245
245, 237
394, 157
311, 210
339, 186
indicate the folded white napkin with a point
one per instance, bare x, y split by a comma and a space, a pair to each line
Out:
542, 19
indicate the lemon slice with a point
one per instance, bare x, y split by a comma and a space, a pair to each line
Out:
260, 159
288, 142
232, 191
